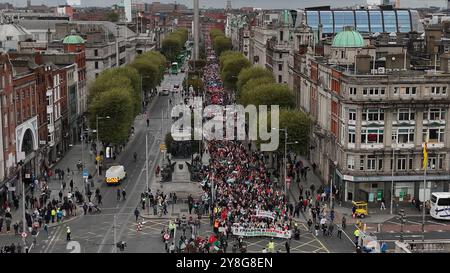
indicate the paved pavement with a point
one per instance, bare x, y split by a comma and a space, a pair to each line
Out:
55, 185
97, 233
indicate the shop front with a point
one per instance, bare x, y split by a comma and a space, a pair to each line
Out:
373, 189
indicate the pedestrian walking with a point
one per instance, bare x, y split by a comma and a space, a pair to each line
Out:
356, 234
71, 184
118, 194
343, 222
316, 228
309, 225
46, 229
136, 213
64, 185
383, 206
287, 245
85, 208
124, 194
339, 231
99, 198
68, 232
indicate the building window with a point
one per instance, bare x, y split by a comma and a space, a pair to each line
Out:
380, 163
361, 163
280, 67
434, 114
352, 90
411, 90
439, 90
281, 36
441, 162
352, 114
280, 55
96, 52
351, 136
401, 163
280, 79
405, 114
371, 162
403, 135
434, 135
96, 75
350, 162
96, 65
372, 136
395, 90
373, 114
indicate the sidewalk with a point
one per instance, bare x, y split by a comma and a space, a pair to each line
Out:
70, 160
375, 214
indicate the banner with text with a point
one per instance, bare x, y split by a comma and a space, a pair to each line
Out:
265, 213
268, 232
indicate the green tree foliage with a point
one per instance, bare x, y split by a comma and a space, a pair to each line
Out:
116, 103
151, 74
232, 66
215, 32
253, 83
133, 75
250, 73
227, 54
298, 125
173, 43
221, 44
106, 81
269, 94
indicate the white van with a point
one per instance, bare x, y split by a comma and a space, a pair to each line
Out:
115, 174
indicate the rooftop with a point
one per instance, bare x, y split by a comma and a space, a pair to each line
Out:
348, 38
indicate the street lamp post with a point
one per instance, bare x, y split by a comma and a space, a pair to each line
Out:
285, 156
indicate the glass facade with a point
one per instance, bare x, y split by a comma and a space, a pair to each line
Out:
404, 21
390, 21
312, 19
362, 21
326, 19
342, 19
376, 21
372, 21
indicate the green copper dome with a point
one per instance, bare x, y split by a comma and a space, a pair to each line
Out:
348, 38
73, 39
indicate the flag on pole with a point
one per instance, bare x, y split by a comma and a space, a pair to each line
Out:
425, 156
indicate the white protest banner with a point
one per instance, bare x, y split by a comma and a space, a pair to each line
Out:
265, 213
267, 232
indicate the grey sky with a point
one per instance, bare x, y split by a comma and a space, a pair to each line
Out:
240, 3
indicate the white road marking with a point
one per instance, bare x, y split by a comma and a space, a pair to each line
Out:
437, 223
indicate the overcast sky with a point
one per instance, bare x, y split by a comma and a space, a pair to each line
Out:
279, 4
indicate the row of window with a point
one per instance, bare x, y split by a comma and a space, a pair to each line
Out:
334, 21
402, 114
399, 135
411, 90
402, 162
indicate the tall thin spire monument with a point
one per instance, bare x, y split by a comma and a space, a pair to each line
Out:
196, 29
228, 8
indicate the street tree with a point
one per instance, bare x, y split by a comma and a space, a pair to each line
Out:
227, 54
253, 83
298, 126
232, 66
116, 103
221, 44
107, 80
250, 73
151, 74
269, 94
